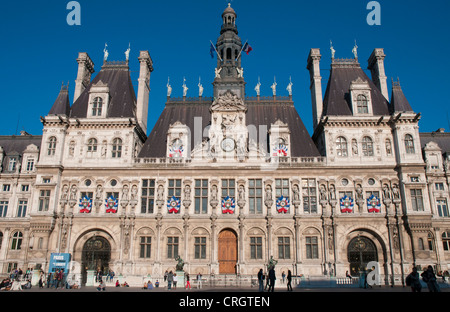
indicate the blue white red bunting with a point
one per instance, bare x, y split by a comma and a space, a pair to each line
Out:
373, 204
283, 204
85, 204
173, 205
346, 204
228, 205
112, 204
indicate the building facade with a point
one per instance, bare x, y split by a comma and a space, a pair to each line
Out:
230, 182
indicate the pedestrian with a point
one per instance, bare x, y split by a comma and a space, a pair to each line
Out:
165, 276
413, 280
188, 283
429, 277
261, 280
175, 280
289, 280
272, 279
117, 283
169, 280
101, 286
199, 280
283, 276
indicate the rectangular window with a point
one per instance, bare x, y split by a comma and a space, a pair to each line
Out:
44, 200
312, 247
172, 247
282, 188
174, 188
200, 248
12, 164
201, 196
442, 207
148, 196
284, 248
87, 194
256, 247
25, 187
6, 187
309, 195
342, 194
22, 208
255, 196
417, 200
3, 208
439, 186
145, 247
228, 188
30, 164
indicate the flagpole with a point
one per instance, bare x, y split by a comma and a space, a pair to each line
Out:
216, 50
241, 50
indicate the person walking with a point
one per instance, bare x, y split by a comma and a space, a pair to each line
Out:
199, 280
272, 279
261, 280
175, 280
429, 277
289, 280
413, 280
188, 283
169, 280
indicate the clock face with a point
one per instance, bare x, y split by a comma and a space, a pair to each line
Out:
228, 144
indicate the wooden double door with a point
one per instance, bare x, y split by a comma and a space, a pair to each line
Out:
228, 255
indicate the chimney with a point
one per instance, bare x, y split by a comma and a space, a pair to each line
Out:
376, 67
143, 89
316, 85
85, 70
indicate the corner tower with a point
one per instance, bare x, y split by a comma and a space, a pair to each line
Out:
229, 72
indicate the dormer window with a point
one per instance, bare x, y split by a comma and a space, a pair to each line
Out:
12, 164
97, 106
363, 104
360, 97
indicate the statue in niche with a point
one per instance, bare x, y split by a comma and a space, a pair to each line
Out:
396, 191
99, 192
296, 192
73, 192
386, 192
160, 192
359, 192
214, 192
125, 192
241, 193
332, 192
134, 191
323, 192
65, 192
187, 191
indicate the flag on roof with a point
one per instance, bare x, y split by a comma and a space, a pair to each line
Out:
211, 50
247, 48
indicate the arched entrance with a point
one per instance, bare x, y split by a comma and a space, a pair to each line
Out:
227, 252
95, 256
361, 250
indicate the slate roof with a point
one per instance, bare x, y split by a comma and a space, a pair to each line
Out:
258, 113
399, 103
337, 101
14, 145
62, 103
122, 96
440, 138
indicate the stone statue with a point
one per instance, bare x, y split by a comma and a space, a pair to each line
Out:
323, 192
180, 263
125, 192
386, 192
73, 193
169, 88
396, 191
200, 88
355, 50
289, 87
65, 192
160, 192
105, 53
258, 88
333, 51
274, 88
185, 88
214, 192
134, 192
240, 72
127, 53
359, 192
98, 193
332, 192
272, 263
296, 192
187, 191
217, 72
241, 192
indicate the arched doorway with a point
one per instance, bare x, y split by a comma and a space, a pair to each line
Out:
227, 252
361, 250
95, 256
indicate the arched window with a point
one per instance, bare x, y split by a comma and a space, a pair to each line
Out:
409, 144
117, 148
51, 146
92, 146
362, 104
16, 242
367, 146
97, 106
341, 147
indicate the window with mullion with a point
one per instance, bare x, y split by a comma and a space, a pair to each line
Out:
255, 196
201, 196
228, 188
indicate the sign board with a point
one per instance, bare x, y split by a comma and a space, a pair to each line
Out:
59, 261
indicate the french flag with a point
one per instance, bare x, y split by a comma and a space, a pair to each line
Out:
247, 48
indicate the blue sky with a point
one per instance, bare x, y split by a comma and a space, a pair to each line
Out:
39, 49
